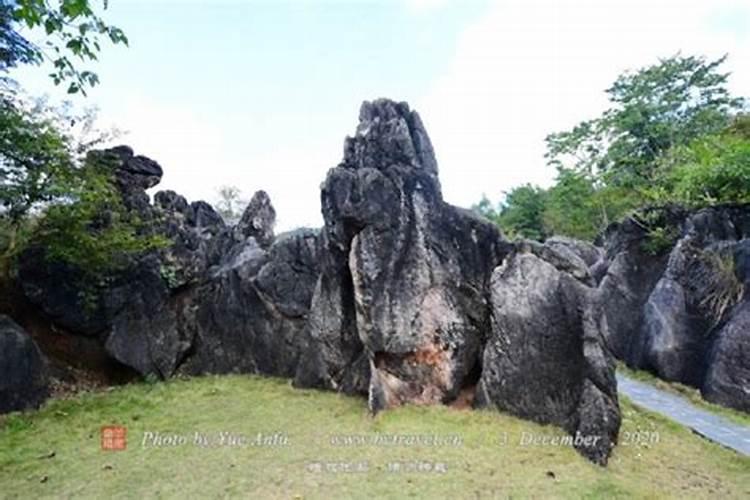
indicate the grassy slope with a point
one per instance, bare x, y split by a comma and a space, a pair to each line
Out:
690, 393
680, 465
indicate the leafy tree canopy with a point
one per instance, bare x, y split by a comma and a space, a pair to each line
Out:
73, 33
653, 109
711, 169
520, 214
54, 194
674, 134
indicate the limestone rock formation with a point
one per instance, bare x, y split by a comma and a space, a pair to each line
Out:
257, 220
133, 174
251, 315
23, 371
231, 303
589, 253
400, 310
675, 308
399, 297
198, 239
547, 358
727, 380
144, 333
217, 299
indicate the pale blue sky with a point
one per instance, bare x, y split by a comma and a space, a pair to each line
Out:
260, 94
251, 60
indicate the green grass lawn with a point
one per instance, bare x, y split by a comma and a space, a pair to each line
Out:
56, 451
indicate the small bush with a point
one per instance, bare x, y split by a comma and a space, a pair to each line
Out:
659, 240
724, 289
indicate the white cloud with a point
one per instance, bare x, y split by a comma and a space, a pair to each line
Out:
532, 67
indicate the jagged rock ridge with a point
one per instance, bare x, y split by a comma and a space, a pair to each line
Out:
410, 306
218, 299
398, 297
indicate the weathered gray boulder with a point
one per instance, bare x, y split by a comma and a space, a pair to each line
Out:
628, 274
400, 309
690, 299
547, 358
589, 253
172, 203
247, 317
197, 234
670, 301
133, 176
145, 333
251, 316
563, 257
727, 381
133, 172
626, 287
23, 371
257, 220
205, 220
334, 357
198, 240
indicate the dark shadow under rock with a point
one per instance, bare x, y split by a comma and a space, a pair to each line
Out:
24, 382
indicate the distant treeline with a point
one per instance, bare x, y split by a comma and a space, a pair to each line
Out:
674, 134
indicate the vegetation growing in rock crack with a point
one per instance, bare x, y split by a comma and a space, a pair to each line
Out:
725, 290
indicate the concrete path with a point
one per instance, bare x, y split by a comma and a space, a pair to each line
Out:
709, 425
